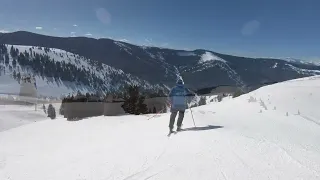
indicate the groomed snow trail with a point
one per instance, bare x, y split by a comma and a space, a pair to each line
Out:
250, 137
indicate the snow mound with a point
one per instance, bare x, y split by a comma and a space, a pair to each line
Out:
209, 57
270, 133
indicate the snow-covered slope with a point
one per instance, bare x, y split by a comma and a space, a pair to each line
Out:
157, 65
98, 76
17, 115
208, 56
271, 133
289, 59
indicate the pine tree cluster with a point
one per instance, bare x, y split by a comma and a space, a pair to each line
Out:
134, 101
81, 106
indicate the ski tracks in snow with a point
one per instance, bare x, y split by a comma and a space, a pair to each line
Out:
311, 120
145, 170
285, 152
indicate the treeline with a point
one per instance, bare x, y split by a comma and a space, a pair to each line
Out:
81, 106
88, 105
45, 66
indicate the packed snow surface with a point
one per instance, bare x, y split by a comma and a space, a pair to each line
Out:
271, 133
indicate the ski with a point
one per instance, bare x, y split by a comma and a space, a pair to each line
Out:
172, 132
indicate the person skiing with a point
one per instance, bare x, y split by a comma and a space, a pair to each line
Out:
178, 103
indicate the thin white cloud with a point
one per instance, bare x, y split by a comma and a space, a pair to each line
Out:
4, 31
250, 28
75, 25
187, 49
103, 15
39, 28
55, 28
148, 40
88, 34
108, 37
165, 44
315, 60
73, 34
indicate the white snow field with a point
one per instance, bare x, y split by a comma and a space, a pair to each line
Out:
12, 116
277, 137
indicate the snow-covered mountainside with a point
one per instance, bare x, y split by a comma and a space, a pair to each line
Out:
199, 68
302, 61
58, 72
270, 133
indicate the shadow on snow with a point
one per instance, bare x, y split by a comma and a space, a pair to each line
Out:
209, 127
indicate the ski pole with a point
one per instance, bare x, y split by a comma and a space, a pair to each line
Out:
156, 114
192, 117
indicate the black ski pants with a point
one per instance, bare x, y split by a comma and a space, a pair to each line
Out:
173, 117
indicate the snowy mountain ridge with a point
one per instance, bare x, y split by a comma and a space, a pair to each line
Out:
289, 59
161, 66
100, 77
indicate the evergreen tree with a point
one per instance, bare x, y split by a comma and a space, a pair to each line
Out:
14, 63
1, 70
14, 74
2, 47
44, 109
202, 101
61, 111
142, 107
134, 102
12, 51
51, 112
1, 59
16, 52
18, 77
237, 93
26, 54
6, 60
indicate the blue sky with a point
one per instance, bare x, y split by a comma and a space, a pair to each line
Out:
268, 28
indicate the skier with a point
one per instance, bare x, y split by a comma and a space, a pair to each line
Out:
178, 102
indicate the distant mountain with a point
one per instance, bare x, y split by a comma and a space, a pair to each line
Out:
160, 66
58, 72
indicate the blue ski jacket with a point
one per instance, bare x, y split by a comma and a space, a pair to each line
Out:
178, 98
